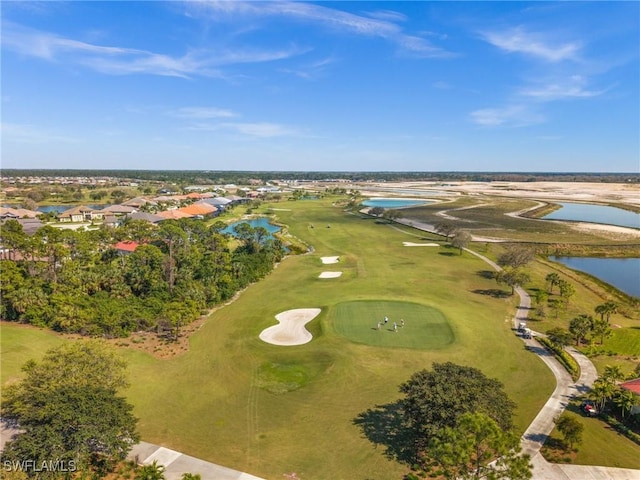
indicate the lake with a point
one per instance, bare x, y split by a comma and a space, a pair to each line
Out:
394, 202
584, 212
254, 222
64, 208
622, 273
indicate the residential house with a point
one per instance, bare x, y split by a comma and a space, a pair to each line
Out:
633, 386
126, 247
139, 202
81, 213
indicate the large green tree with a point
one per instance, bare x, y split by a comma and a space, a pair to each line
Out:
68, 410
477, 448
571, 430
435, 399
580, 327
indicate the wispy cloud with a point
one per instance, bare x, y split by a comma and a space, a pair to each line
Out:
515, 115
257, 129
199, 113
124, 61
23, 133
538, 45
381, 26
311, 71
571, 88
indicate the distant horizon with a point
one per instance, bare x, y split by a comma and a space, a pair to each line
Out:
391, 172
371, 86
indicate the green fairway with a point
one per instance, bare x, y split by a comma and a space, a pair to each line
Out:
270, 410
424, 327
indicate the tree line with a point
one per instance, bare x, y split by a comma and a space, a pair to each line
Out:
76, 281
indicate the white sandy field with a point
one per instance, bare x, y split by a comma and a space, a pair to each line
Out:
411, 244
329, 274
290, 329
328, 260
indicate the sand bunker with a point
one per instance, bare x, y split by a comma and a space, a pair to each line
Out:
411, 244
329, 274
290, 330
327, 260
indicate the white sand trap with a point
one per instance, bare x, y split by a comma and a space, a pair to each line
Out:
329, 274
290, 329
328, 260
411, 244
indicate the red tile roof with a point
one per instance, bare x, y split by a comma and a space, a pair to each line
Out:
632, 386
127, 246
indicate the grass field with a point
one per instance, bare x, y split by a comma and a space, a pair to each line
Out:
425, 328
269, 410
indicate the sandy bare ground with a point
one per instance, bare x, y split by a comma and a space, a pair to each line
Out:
626, 193
330, 275
411, 244
290, 329
328, 260
612, 231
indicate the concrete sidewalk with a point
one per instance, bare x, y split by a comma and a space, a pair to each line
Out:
176, 464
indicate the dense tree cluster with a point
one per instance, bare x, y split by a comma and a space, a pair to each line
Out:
76, 281
462, 424
70, 415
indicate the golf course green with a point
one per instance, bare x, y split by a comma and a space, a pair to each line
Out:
411, 325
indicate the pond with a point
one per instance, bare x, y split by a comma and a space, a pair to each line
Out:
64, 208
622, 273
394, 202
254, 223
584, 212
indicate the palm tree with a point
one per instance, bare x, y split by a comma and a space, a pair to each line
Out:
624, 400
552, 280
602, 391
601, 329
580, 326
613, 373
605, 310
150, 472
191, 476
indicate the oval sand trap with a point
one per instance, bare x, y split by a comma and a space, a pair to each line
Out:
411, 244
327, 260
290, 330
329, 274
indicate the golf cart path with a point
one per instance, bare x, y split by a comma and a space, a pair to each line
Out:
566, 389
177, 463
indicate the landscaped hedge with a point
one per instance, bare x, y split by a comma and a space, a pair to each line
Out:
567, 361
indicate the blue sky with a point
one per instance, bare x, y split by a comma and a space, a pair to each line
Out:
342, 86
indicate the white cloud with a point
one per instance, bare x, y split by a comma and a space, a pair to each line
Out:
516, 115
518, 40
310, 71
30, 134
203, 113
573, 87
256, 129
381, 27
123, 61
263, 129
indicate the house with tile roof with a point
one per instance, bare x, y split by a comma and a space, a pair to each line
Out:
634, 387
81, 213
126, 247
173, 215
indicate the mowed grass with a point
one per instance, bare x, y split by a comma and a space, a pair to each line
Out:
269, 410
425, 328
